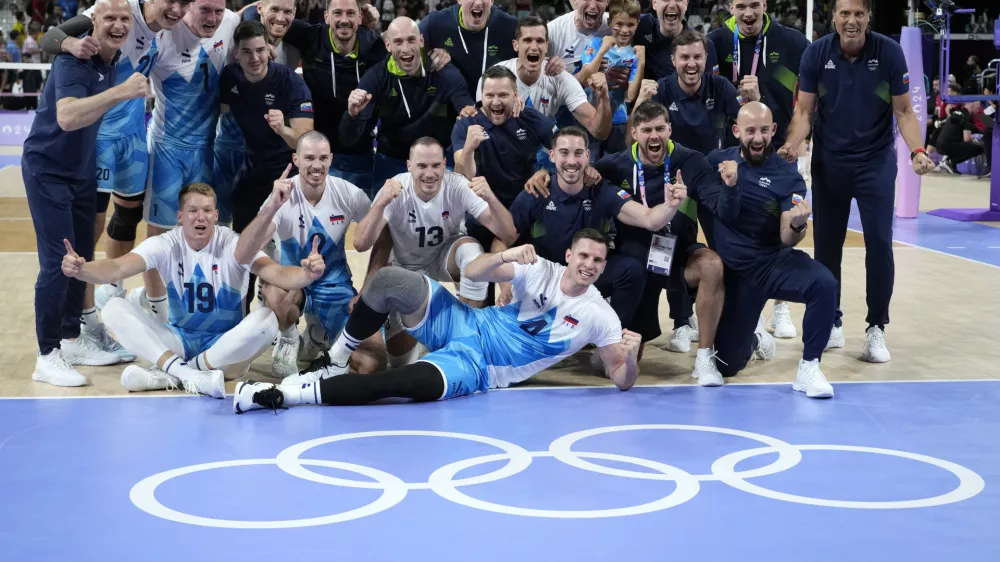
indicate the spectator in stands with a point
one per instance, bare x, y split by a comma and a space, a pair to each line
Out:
55, 18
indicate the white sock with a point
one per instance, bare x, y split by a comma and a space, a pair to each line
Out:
90, 320
342, 349
177, 367
292, 332
305, 393
160, 308
244, 342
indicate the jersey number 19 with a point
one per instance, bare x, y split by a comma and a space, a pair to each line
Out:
203, 293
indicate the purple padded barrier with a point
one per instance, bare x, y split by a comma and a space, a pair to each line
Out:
907, 181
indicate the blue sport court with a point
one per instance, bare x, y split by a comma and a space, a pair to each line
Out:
902, 471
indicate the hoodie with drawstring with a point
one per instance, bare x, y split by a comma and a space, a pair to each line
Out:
332, 76
472, 52
407, 107
777, 66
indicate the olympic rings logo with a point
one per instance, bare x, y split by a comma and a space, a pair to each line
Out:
443, 482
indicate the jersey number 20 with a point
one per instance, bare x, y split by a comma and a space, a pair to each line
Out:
203, 293
430, 236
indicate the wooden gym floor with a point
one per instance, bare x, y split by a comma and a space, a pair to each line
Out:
945, 311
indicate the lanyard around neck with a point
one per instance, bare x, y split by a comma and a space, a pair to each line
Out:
736, 53
640, 177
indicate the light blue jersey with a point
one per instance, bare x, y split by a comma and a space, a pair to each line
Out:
205, 288
298, 223
186, 85
138, 54
617, 56
494, 347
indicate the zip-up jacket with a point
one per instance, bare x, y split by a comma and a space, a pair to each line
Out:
472, 52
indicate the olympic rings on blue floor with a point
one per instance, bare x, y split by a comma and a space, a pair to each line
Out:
443, 483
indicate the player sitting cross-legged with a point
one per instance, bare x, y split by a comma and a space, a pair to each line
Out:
206, 271
556, 311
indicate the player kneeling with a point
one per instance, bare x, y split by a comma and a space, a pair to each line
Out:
556, 312
310, 209
206, 270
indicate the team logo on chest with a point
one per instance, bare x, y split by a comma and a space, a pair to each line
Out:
570, 321
873, 65
336, 219
215, 268
764, 182
218, 46
587, 206
774, 56
269, 99
710, 104
411, 216
521, 134
186, 56
540, 301
445, 215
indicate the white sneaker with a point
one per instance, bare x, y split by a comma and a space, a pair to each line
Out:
680, 342
781, 322
137, 379
284, 358
836, 337
209, 383
875, 350
705, 370
87, 350
251, 395
54, 369
765, 345
811, 380
330, 370
109, 344
104, 293
314, 340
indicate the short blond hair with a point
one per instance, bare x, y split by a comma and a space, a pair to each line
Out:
196, 189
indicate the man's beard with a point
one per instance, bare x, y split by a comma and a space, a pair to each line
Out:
755, 160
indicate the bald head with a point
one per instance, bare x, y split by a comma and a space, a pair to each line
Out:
404, 42
755, 127
112, 22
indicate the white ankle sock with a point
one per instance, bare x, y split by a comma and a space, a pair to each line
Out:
90, 320
177, 367
704, 352
291, 332
342, 349
305, 393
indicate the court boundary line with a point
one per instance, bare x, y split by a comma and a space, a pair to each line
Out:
524, 388
909, 245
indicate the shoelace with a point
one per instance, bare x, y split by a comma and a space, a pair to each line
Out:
59, 361
270, 398
878, 338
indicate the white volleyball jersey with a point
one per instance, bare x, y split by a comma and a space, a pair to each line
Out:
568, 42
543, 325
298, 223
420, 227
205, 288
186, 84
138, 55
548, 94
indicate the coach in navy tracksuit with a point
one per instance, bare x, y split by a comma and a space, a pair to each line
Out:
59, 167
856, 81
757, 246
657, 31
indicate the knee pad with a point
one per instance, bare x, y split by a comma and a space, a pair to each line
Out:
472, 290
124, 222
395, 288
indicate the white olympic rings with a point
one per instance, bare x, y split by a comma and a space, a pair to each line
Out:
443, 483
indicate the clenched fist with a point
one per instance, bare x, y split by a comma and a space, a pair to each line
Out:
523, 255
729, 172
647, 91
390, 191
474, 136
630, 343
275, 120
136, 86
481, 188
357, 102
800, 213
789, 153
749, 88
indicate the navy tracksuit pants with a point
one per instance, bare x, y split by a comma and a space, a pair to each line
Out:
60, 209
873, 184
623, 280
789, 275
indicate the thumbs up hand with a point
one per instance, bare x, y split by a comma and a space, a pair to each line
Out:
313, 265
72, 263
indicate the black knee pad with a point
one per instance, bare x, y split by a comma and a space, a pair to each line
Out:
102, 202
124, 222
